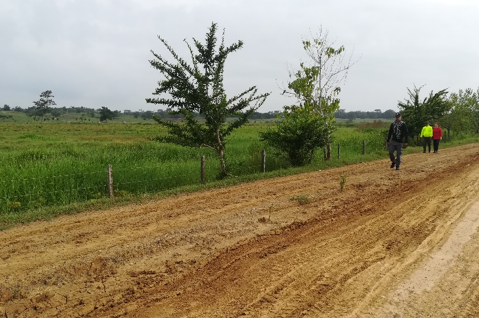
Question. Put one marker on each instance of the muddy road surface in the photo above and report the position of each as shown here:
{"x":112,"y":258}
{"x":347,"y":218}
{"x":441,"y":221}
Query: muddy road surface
{"x":390,"y":244}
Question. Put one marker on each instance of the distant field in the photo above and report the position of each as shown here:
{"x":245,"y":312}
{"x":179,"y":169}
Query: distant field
{"x":73,"y":117}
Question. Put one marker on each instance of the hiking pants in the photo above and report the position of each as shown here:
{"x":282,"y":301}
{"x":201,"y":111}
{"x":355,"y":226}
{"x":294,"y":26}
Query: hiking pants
{"x":395,"y":146}
{"x":426,"y":141}
{"x":436,"y":144}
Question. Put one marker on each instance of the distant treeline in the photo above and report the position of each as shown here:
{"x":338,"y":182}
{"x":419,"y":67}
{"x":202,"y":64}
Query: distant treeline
{"x":377,"y":114}
{"x":56,"y":112}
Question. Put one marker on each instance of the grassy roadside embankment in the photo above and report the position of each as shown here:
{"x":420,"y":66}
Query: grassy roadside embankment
{"x":49,"y":169}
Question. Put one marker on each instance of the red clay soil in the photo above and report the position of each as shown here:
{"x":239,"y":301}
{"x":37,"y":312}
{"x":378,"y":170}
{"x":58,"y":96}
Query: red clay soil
{"x":390,"y":244}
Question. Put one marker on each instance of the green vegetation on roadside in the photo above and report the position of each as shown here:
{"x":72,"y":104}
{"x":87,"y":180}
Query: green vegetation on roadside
{"x":48,"y":169}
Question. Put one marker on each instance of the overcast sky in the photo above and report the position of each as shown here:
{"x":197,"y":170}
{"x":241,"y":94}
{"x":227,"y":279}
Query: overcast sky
{"x":95,"y":53}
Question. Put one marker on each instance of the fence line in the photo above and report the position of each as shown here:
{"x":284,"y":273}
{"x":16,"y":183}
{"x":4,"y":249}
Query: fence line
{"x":76,"y":187}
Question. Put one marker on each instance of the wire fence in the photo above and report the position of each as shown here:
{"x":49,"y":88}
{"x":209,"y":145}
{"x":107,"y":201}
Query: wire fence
{"x":49,"y":189}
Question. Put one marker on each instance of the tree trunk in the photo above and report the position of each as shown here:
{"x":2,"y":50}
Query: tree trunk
{"x":221,"y":154}
{"x":327,"y":154}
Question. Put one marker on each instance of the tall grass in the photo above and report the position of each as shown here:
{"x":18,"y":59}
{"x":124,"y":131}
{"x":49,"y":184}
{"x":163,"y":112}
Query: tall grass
{"x":351,"y":140}
{"x":55,"y":164}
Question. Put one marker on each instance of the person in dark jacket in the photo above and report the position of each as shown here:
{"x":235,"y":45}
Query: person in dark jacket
{"x":396,"y":136}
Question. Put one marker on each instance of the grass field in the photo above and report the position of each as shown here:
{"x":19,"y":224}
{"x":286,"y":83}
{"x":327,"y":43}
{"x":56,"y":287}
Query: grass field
{"x":56,"y":165}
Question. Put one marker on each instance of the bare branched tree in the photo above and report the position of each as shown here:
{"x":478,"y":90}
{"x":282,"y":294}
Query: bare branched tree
{"x":329,"y":67}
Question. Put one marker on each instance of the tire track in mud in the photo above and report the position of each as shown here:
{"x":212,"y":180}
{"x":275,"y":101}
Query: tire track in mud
{"x":299,"y":279}
{"x":246,"y":250}
{"x":445,"y":282}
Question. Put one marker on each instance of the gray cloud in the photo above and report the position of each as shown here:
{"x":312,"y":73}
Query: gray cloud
{"x":95,"y":53}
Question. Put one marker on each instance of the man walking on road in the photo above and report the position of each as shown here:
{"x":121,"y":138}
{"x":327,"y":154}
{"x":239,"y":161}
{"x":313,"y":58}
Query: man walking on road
{"x":397,"y":134}
{"x":426,"y":135}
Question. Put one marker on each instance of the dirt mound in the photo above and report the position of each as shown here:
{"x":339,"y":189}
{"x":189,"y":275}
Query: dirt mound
{"x":390,"y":244}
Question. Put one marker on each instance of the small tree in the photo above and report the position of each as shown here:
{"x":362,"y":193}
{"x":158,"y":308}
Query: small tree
{"x":416,"y":112}
{"x":6,"y":107}
{"x":297,"y":134}
{"x":106,"y":114}
{"x":316,"y":88}
{"x":43,"y":105}
{"x":147,"y":115}
{"x":55,"y":112}
{"x":463,"y":116}
{"x":197,"y":89}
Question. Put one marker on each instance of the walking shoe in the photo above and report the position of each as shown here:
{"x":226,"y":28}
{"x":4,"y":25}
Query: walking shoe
{"x":397,"y":167}
{"x":393,"y":164}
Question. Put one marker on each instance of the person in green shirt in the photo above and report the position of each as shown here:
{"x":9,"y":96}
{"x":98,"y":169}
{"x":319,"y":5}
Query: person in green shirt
{"x":426,"y":135}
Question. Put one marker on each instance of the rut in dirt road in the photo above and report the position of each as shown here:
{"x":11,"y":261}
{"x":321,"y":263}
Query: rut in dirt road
{"x":251,"y":250}
{"x":325,"y":267}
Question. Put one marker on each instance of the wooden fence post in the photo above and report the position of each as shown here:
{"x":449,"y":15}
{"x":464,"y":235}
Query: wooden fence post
{"x":364,"y":147}
{"x":339,"y":150}
{"x":203,"y":174}
{"x":263,"y":160}
{"x":110,"y":182}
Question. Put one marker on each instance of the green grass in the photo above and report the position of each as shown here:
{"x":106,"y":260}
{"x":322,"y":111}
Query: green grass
{"x":54,"y":168}
{"x":54,"y":164}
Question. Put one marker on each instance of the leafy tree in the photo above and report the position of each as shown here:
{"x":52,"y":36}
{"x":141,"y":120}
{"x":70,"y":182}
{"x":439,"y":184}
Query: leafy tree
{"x":6,"y":107}
{"x":106,"y":114}
{"x":198,"y":89}
{"x":464,"y":114}
{"x":471,"y":101}
{"x":333,"y":68}
{"x":297,"y":134}
{"x":55,"y":112}
{"x":43,"y":105}
{"x":475,"y":107}
{"x":416,"y":112}
{"x":316,"y":88}
{"x":389,"y":113}
{"x":147,"y":115}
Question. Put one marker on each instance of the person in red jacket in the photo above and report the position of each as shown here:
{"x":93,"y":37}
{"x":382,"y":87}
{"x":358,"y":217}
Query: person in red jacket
{"x":436,"y":136}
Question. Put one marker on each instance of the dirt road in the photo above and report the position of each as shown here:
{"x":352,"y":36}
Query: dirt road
{"x":391,"y":244}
